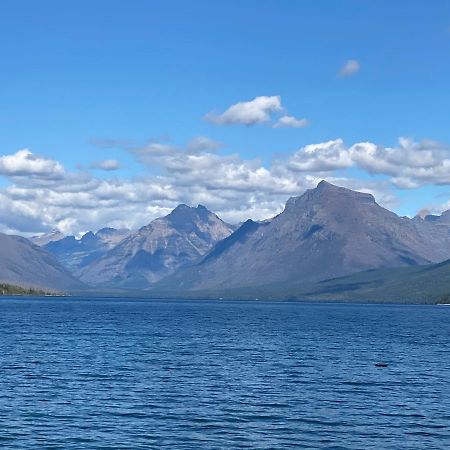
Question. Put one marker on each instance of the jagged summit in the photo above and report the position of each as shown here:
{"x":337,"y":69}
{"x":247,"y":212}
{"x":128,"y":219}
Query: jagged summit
{"x":74,"y":253}
{"x":183,"y":208}
{"x":89,"y":237}
{"x":189,"y":218}
{"x":187,"y":212}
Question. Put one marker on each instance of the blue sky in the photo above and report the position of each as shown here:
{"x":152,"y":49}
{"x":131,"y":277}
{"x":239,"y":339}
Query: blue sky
{"x":76,"y":74}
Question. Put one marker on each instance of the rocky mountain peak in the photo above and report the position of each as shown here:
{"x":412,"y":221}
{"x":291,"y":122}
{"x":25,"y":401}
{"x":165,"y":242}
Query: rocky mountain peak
{"x":88,"y":238}
{"x":328,"y":189}
{"x":159,"y":248}
{"x":184,"y":216}
{"x":328,"y":195}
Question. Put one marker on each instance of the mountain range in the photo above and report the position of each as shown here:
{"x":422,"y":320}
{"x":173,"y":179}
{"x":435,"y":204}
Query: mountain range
{"x":327,"y":233}
{"x":76,"y":253}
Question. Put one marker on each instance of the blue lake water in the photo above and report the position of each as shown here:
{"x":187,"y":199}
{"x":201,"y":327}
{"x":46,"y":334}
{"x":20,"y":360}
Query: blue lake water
{"x":132,"y":374}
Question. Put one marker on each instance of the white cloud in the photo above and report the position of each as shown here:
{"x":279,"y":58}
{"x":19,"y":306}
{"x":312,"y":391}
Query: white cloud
{"x":250,"y":112}
{"x":350,"y":67}
{"x":107,"y":164}
{"x":290,"y":121}
{"x":408,"y":165}
{"x":24,"y":164}
{"x":323,"y":157}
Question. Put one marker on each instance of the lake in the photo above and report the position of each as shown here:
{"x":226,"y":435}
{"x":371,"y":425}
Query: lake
{"x":140,"y":374}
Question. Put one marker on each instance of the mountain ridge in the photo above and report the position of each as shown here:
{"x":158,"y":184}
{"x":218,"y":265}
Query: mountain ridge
{"x":327,"y":232}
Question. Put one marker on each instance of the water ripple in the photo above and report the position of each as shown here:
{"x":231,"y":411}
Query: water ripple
{"x":121,"y":374}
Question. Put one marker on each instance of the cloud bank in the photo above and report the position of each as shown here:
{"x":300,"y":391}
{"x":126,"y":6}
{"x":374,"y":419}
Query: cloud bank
{"x":41,"y":194}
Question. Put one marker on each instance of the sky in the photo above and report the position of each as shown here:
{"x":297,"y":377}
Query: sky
{"x":114,"y":112}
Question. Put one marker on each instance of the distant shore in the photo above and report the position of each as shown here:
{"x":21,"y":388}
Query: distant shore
{"x":7,"y":289}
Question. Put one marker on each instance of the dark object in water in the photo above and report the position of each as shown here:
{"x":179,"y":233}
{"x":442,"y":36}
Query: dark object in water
{"x":381,"y":364}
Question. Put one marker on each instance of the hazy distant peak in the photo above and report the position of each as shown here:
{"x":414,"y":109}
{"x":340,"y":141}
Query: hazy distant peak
{"x":43,"y":239}
{"x":107,"y":231}
{"x":445,"y":216}
{"x":426,"y":216}
{"x":89,"y":237}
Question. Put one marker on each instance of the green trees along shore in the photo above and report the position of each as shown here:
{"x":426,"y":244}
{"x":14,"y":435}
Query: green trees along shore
{"x":10,"y":289}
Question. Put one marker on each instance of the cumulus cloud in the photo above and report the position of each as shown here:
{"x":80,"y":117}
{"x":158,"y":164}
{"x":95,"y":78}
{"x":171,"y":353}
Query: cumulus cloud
{"x":351,"y":67}
{"x":211,"y":171}
{"x":107,"y":165}
{"x":290,"y":122}
{"x":408,"y":165}
{"x":24,"y":164}
{"x":247,"y":113}
{"x":262,"y":109}
{"x":323,"y":157}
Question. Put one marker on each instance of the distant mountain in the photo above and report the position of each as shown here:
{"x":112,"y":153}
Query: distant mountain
{"x":327,"y":232}
{"x":110,"y":237}
{"x":44,"y":239}
{"x":76,"y":253}
{"x":158,"y":249}
{"x":443,"y":219}
{"x":28,"y":265}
